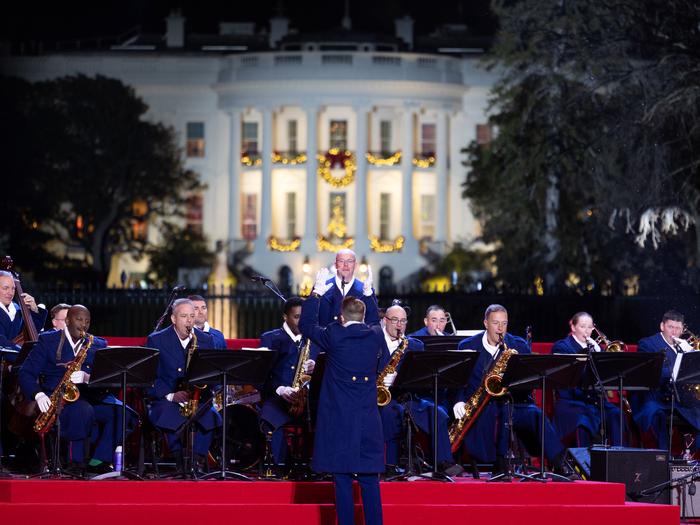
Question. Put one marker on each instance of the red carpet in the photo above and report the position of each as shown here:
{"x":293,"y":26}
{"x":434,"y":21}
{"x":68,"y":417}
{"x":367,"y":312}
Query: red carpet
{"x":261,"y":502}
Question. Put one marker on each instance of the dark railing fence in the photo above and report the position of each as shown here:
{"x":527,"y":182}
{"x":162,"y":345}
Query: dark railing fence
{"x":248,"y":313}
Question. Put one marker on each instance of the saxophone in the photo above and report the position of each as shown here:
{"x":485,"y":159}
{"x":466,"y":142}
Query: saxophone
{"x":301,"y":378}
{"x":383,"y":393}
{"x":65,"y":391}
{"x":491,"y":387}
{"x":190,"y":407}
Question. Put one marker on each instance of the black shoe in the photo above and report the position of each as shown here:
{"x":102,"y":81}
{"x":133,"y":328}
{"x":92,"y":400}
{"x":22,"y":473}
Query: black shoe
{"x":450,"y":469}
{"x":499,"y":467}
{"x":102,"y":468}
{"x":393,"y":470}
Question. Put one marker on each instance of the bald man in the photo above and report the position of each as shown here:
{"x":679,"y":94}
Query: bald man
{"x":95,"y":417}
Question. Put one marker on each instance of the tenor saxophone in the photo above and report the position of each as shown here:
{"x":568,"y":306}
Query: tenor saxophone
{"x":190,"y":406}
{"x":383,"y":393}
{"x":490,"y":387}
{"x":65,"y":392}
{"x":301,"y":378}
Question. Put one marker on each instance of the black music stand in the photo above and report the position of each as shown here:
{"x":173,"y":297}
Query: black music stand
{"x":5,"y":354}
{"x":117,"y":367}
{"x":439,"y":342}
{"x":239,"y":367}
{"x":449,"y":369}
{"x":528,"y":371}
{"x":624,"y":370}
{"x":688,"y":373}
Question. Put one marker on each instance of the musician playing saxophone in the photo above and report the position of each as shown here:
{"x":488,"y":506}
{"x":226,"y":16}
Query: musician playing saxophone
{"x":43,"y":370}
{"x":479,"y":441}
{"x":278,"y":392}
{"x":418,"y":404}
{"x":176,"y":344}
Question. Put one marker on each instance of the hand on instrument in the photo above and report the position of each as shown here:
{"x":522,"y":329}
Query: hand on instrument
{"x":389,"y":379}
{"x":79,"y":377}
{"x":459,"y":409}
{"x":320,"y":286}
{"x":309,"y":365}
{"x":368,"y":284}
{"x":43,"y":402}
{"x":30,"y":302}
{"x":180,"y":397}
{"x":287,"y":393}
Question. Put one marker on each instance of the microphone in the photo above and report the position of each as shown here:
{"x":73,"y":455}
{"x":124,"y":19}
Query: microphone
{"x":259,"y":278}
{"x":179,"y":288}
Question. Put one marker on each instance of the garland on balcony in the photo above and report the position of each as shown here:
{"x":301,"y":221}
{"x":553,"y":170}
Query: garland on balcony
{"x":386,"y":247}
{"x":424,"y":161}
{"x":336,"y":158}
{"x":248,"y":159}
{"x":325,"y":245}
{"x":392,"y":160}
{"x":279,"y":246}
{"x":282,"y":158}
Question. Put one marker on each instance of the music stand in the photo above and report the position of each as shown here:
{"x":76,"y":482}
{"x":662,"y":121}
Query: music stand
{"x":5,"y":354}
{"x":528,"y":371}
{"x":439,"y":342}
{"x":241,"y":367}
{"x":625,"y":370}
{"x":688,"y":373}
{"x":115,"y":367}
{"x":450,"y":369}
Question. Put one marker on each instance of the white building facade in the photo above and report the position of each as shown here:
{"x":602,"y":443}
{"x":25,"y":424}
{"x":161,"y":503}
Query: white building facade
{"x":309,"y":150}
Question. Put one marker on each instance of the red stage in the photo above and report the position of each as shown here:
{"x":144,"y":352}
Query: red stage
{"x":261,"y":502}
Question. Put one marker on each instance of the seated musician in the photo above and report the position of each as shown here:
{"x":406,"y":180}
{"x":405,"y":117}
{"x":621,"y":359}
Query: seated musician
{"x":278,"y":393}
{"x":94,"y":416}
{"x":420,"y":409}
{"x":652,"y":409}
{"x":201,"y":314}
{"x":435,"y":321}
{"x":58,"y":314}
{"x":177,"y":343}
{"x":479,"y":441}
{"x":577,"y":411}
{"x":11,"y":322}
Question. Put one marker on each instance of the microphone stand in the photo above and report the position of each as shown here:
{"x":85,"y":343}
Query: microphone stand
{"x":267,"y":283}
{"x":171,"y":300}
{"x":674,"y":397}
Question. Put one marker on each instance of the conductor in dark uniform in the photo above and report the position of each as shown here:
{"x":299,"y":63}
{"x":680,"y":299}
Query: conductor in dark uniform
{"x":176,"y":345}
{"x":349,"y":436}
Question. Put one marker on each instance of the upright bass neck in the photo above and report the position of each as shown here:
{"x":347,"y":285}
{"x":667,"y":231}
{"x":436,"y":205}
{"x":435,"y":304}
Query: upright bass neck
{"x":29,"y":332}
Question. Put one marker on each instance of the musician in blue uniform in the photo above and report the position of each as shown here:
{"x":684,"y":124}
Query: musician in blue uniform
{"x":419,"y":407}
{"x":577,"y":411}
{"x":177,"y":343}
{"x":492,"y":421}
{"x":435,"y":321}
{"x":651,"y":409}
{"x":94,"y":414}
{"x":344,"y":285}
{"x":348,"y":426}
{"x":277,"y":391}
{"x":201,"y":321}
{"x":11,"y":321}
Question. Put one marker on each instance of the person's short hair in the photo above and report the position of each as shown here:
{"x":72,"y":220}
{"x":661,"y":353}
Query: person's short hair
{"x":5,"y":273}
{"x":352,"y":309}
{"x":196,"y":298}
{"x":291,"y":303}
{"x":58,"y":308}
{"x":433,"y":308}
{"x":673,"y":315}
{"x":574,"y":318}
{"x":494,"y":308}
{"x":181,"y":301}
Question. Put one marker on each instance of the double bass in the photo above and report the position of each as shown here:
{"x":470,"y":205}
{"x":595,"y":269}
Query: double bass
{"x":29,"y":333}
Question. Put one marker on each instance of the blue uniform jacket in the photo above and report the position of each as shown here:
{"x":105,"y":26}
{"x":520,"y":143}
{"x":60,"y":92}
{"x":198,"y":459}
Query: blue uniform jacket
{"x":349,"y":435}
{"x":284,"y":367}
{"x":420,"y":333}
{"x":218,"y":338}
{"x":11,"y":329}
{"x":332,"y":300}
{"x":569,"y":345}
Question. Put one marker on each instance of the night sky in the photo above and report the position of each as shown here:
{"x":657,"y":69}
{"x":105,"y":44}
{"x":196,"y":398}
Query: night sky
{"x":59,"y":21}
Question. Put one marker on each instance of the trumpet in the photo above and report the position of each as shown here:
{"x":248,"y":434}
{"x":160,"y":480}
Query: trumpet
{"x":610,"y":346}
{"x":692,"y":339}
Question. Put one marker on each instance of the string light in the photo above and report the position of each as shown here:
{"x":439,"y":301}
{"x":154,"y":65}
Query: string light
{"x":386,"y":247}
{"x":279,"y":246}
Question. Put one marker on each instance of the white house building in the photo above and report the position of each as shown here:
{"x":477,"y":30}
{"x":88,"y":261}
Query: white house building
{"x":307,"y":143}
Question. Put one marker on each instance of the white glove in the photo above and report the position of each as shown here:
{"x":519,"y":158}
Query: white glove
{"x":368,"y":284}
{"x":43,"y":402}
{"x":596,"y":346}
{"x":320,"y":286}
{"x":287,"y":393}
{"x":459,"y":409}
{"x":309,"y":365}
{"x":684,"y":344}
{"x":389,"y":379}
{"x":78,"y":377}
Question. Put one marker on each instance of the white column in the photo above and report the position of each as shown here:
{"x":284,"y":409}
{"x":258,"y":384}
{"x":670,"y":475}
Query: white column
{"x":407,"y":125}
{"x":361,"y":233}
{"x":234,"y":196}
{"x":266,"y":191}
{"x":311,"y":226}
{"x":441,"y":165}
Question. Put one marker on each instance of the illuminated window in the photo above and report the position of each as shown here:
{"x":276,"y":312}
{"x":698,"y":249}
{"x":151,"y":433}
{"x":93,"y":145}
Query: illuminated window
{"x":385,"y":137}
{"x":483,"y":134}
{"x":194,"y":214}
{"x":249,"y":216}
{"x":291,"y":215}
{"x":249,"y":138}
{"x":427,"y":139}
{"x":339,"y":134}
{"x":384,"y":216}
{"x":292,"y":136}
{"x":195,"y":139}
{"x":139,"y":226}
{"x":427,"y":216}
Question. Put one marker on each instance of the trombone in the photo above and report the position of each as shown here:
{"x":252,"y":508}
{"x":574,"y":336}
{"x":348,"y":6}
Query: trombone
{"x":610,"y":346}
{"x":692,"y":339}
{"x":451,"y":322}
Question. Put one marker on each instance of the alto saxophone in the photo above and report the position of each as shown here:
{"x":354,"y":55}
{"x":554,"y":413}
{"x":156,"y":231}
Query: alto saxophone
{"x":65,"y":391}
{"x":301,"y":378}
{"x":383,"y":393}
{"x":190,"y":406}
{"x":491,"y":387}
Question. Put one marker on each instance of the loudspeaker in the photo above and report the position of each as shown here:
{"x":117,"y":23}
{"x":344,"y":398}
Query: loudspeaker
{"x":580,"y":459}
{"x":685,"y":493}
{"x":639,"y":469}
